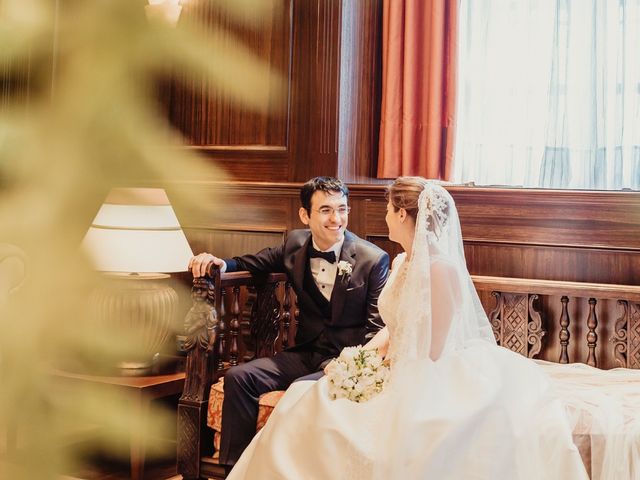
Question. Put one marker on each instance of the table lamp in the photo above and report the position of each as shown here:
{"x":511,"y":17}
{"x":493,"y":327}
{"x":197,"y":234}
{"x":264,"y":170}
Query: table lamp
{"x":136,"y":240}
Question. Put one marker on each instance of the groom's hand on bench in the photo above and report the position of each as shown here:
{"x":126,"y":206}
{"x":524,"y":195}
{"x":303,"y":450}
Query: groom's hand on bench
{"x":199,"y":264}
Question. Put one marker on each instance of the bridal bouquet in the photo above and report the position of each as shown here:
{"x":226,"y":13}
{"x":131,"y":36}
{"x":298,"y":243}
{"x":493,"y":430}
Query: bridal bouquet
{"x":357,"y":374}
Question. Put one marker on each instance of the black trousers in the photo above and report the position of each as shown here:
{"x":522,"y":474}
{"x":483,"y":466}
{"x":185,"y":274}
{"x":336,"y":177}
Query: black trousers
{"x":243,"y":385}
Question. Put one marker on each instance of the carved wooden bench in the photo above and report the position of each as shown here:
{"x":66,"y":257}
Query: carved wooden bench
{"x":237,"y":317}
{"x":520,"y":322}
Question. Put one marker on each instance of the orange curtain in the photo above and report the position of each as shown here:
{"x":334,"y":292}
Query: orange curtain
{"x":418,"y":88}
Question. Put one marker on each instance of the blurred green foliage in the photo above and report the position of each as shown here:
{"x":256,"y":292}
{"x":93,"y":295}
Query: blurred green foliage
{"x":79,"y":114}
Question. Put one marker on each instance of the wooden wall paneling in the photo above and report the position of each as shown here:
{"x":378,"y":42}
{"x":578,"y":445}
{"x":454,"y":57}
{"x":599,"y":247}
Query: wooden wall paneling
{"x":294,"y":217}
{"x":553,"y":262}
{"x":257,"y":166}
{"x":250,"y":142}
{"x":357,"y":216}
{"x":230,"y":243}
{"x":375,"y":213}
{"x":327,"y":123}
{"x":537,"y":250}
{"x":215,"y":118}
{"x":256,"y":212}
{"x":550,"y":217}
{"x":375,"y":227}
{"x":382,"y":241}
{"x":315,"y":88}
{"x":336,"y":86}
{"x":360,"y":89}
{"x":235,"y":206}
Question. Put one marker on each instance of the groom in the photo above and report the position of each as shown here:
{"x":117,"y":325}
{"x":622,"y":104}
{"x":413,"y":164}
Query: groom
{"x":337,"y":278}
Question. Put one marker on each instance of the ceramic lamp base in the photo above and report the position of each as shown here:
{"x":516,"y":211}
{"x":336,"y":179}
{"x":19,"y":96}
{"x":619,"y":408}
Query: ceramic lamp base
{"x":139,"y":309}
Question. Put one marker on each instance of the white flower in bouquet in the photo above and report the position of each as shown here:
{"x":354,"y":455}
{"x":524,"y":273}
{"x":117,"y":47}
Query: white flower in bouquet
{"x":357,"y":374}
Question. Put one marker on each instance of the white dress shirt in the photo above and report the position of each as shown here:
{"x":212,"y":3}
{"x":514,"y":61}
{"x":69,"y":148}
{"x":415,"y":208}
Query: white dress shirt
{"x":324,"y":272}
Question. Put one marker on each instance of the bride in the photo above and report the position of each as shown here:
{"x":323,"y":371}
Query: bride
{"x":456,"y":406}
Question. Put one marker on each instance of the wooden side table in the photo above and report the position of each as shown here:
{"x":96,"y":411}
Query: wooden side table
{"x":141,"y":390}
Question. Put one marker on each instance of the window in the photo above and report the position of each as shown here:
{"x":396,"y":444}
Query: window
{"x":549,"y":93}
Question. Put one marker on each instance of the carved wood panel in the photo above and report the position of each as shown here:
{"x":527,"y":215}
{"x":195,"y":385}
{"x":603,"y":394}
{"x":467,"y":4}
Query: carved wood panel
{"x":633,"y":359}
{"x":626,"y":339}
{"x":189,"y":441}
{"x":516,"y":323}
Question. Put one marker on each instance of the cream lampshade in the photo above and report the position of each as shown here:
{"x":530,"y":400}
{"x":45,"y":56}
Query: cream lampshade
{"x":135,"y":239}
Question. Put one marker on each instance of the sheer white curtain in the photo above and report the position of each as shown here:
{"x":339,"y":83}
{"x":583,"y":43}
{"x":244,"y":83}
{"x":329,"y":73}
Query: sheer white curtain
{"x":549,"y":93}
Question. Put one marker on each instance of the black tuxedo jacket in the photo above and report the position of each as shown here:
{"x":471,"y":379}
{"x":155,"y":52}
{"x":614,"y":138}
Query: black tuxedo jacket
{"x":354,"y":301}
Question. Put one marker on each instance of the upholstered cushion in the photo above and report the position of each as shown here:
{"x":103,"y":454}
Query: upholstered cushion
{"x":214,"y":410}
{"x":266,"y":404}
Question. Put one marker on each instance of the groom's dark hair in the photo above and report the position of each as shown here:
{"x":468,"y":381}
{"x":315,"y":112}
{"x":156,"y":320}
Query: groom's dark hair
{"x":324,"y":184}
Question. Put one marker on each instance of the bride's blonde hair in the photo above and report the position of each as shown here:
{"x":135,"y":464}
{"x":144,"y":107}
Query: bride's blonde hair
{"x":405,"y":192}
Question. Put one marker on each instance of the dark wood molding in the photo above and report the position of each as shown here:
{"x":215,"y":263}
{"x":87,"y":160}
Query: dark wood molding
{"x":258,"y":150}
{"x":553,"y":262}
{"x":280,"y":188}
{"x":580,"y":218}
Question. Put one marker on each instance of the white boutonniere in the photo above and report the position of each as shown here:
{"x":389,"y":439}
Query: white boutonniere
{"x":344,"y":270}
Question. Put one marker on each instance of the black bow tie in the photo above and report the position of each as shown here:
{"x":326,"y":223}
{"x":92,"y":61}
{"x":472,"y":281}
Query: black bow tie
{"x":328,"y":256}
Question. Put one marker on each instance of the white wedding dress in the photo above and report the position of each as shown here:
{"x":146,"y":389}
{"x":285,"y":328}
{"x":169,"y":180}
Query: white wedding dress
{"x":478,"y":411}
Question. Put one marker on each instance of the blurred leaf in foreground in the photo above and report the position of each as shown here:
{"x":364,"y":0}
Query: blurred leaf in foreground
{"x":79,"y":114}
